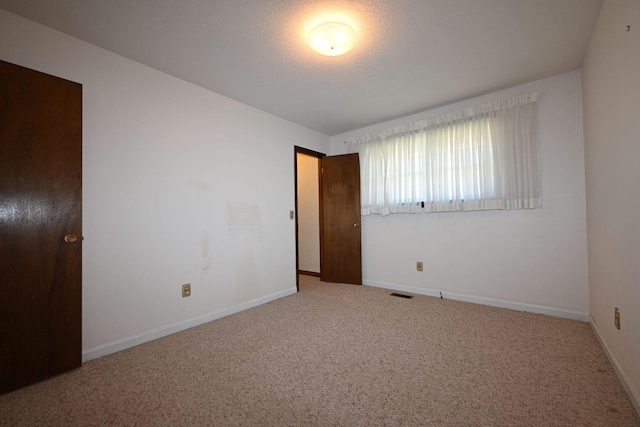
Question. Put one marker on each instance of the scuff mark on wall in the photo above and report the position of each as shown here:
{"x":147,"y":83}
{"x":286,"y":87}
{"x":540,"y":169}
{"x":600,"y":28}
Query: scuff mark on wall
{"x":247,"y":286}
{"x":199,"y":186}
{"x":205,"y":247}
{"x":244,"y":218}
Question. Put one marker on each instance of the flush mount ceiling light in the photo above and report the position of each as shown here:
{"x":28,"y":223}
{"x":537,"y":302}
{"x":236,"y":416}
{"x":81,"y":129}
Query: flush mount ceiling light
{"x":332,"y":38}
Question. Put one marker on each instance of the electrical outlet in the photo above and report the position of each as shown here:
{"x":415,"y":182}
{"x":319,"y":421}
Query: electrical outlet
{"x":291,"y":215}
{"x":186,"y":290}
{"x":616,"y":318}
{"x":419,"y":266}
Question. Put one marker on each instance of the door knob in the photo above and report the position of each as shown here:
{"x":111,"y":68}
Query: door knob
{"x":70,"y":238}
{"x":355,"y":224}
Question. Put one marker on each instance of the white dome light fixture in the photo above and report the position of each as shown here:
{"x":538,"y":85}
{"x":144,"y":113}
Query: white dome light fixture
{"x":332,"y":38}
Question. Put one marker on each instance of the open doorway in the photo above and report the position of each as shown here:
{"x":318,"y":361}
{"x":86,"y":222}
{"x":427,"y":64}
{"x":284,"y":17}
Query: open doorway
{"x":308,"y":212}
{"x":337,"y":216}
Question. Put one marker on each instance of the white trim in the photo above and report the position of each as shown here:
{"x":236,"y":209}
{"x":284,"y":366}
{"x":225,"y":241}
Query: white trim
{"x":566,"y":314}
{"x":634,"y":395}
{"x":163,"y":331}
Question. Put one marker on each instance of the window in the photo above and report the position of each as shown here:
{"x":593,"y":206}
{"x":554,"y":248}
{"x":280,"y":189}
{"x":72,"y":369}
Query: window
{"x":480,"y":158}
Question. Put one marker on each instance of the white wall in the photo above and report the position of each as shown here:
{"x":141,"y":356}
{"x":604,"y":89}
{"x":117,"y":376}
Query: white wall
{"x":612,"y":146}
{"x":181,"y":185}
{"x":534,"y":260}
{"x":308,"y":214}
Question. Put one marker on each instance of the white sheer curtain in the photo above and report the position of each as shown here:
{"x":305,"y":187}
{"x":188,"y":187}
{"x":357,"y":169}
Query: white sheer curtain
{"x":480,"y":158}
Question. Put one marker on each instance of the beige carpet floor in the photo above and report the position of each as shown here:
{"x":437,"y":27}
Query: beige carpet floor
{"x":344,"y":355}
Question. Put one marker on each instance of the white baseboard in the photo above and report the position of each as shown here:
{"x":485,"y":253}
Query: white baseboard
{"x":119,"y":345}
{"x":584,"y":317}
{"x":634,"y":395}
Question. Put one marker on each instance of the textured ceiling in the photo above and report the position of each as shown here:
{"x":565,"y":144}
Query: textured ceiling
{"x":412,"y":55}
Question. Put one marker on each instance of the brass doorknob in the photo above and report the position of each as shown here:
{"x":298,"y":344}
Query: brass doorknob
{"x":355,"y":224}
{"x":70,"y":238}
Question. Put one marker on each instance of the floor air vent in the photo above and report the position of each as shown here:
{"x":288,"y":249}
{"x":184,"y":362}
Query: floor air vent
{"x":401,"y":295}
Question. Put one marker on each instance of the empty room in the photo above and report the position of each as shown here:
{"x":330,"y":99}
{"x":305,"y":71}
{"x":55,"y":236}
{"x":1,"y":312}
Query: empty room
{"x":309,"y":212}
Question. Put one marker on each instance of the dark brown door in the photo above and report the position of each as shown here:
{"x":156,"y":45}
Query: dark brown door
{"x":40,"y":226}
{"x":340,"y":248}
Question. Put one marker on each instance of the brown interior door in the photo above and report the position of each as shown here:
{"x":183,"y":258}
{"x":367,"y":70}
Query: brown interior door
{"x":341,"y":252}
{"x":40,"y":226}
